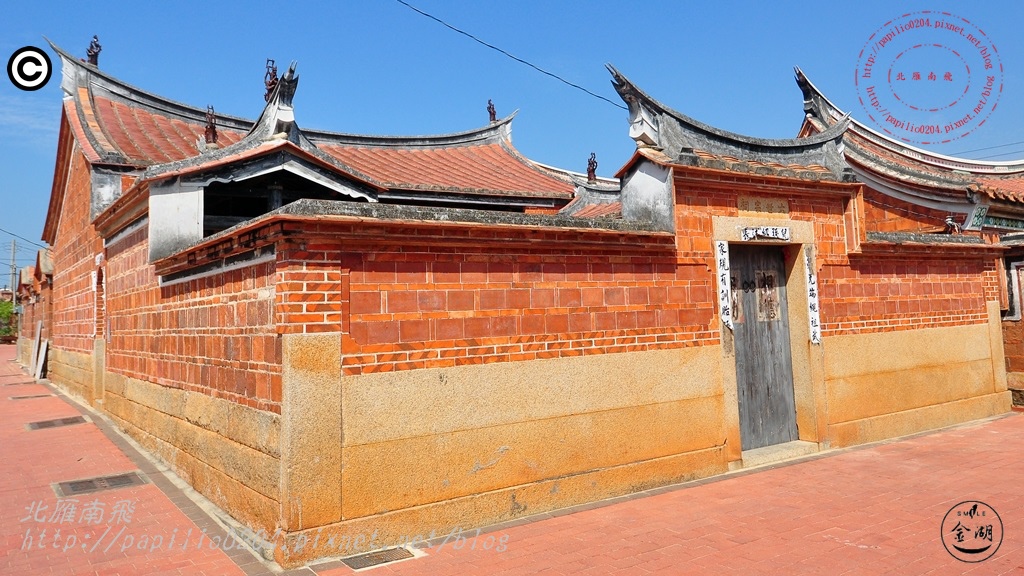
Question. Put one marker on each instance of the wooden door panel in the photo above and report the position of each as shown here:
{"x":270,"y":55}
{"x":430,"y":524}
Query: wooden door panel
{"x":764,"y":363}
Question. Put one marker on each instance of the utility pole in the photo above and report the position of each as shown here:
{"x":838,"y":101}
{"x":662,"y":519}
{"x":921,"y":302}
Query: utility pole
{"x":14,"y":269}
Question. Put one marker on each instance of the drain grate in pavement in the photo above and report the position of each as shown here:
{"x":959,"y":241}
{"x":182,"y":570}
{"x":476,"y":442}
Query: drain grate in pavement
{"x":55,"y":423}
{"x":376,"y":558}
{"x":30,"y":396}
{"x":89,"y":485}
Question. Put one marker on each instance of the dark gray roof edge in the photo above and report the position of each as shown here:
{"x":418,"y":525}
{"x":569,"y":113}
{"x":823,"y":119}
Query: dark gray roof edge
{"x":137,"y":95}
{"x":491,"y":132}
{"x":625,"y":87}
{"x":903,"y":237}
{"x":406,"y":214}
{"x":819,"y":106}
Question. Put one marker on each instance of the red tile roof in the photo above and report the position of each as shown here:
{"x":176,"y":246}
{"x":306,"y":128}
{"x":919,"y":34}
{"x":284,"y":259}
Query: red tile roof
{"x":488,"y":168}
{"x":1010,"y":189}
{"x":145,"y":137}
{"x":119,"y":124}
{"x":610,"y":210}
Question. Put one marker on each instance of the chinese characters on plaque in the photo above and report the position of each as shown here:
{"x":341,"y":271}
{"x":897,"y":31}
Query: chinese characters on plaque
{"x":724,"y":291}
{"x":813,"y":314}
{"x":769,"y":232}
{"x":762,"y":205}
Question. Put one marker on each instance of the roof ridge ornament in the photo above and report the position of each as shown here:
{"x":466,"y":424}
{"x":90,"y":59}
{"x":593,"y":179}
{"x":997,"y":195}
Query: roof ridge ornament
{"x":93,"y":51}
{"x":211,"y":129}
{"x":492,"y":111}
{"x":592,"y":168}
{"x":286,"y":86}
{"x":270,"y":79}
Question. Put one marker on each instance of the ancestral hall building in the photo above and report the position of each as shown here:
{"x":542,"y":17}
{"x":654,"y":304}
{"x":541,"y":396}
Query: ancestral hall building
{"x":342,"y":335}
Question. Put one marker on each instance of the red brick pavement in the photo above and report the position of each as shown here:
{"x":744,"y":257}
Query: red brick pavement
{"x":870,"y":510}
{"x":122,"y":531}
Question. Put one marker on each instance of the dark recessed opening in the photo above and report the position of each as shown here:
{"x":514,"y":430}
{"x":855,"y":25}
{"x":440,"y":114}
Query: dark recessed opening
{"x":55,"y":423}
{"x":89,"y":485}
{"x":376,"y":558}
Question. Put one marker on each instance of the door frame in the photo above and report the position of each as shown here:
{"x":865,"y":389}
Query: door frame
{"x":808,"y":358}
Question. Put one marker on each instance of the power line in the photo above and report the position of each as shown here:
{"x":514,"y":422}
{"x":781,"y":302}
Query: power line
{"x":516,"y":58}
{"x":22,"y":238}
{"x":998,"y":155}
{"x":988,"y":148}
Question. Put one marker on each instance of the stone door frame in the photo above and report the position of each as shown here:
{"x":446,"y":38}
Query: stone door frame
{"x":808,"y":358}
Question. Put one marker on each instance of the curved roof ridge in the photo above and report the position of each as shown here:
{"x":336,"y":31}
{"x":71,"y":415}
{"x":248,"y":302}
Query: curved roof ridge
{"x":136,"y":95}
{"x":628,"y":89}
{"x":814,"y":100}
{"x":499,"y":130}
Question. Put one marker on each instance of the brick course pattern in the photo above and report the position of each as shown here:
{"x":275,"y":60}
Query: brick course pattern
{"x":885,"y":214}
{"x":467,"y":299}
{"x":214,"y":335}
{"x":74,"y":262}
{"x":858,"y":293}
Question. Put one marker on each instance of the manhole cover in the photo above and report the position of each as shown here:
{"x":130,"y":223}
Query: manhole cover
{"x":377,"y":558}
{"x":88,"y":485}
{"x":55,"y":423}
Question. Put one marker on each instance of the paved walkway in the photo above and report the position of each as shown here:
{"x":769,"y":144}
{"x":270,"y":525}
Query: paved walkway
{"x":872,"y":510}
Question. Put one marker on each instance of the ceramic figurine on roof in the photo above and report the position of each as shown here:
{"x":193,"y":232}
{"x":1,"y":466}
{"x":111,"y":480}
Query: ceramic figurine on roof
{"x":270,"y":79}
{"x":210,"y":134}
{"x":93,"y":52}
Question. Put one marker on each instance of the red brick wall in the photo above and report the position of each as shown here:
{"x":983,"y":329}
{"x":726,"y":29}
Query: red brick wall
{"x":886,"y":214}
{"x":404,"y":300}
{"x":74,"y":252}
{"x":213,"y":335}
{"x":883,"y":293}
{"x":30,"y":314}
{"x":858,"y":293}
{"x":1013,"y":343}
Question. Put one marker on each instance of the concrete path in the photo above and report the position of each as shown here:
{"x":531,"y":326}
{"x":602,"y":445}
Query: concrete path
{"x":878,"y":509}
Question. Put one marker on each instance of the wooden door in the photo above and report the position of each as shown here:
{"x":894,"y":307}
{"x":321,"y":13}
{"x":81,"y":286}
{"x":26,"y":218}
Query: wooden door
{"x":764,"y":364}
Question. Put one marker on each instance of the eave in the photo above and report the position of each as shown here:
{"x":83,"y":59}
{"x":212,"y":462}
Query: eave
{"x":131,"y":206}
{"x":61,"y":171}
{"x":820,"y":107}
{"x":686,"y":140}
{"x":506,"y":228}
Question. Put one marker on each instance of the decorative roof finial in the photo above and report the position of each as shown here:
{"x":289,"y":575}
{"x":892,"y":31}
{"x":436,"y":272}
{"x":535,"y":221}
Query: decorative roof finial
{"x":592,"y":168}
{"x":493,"y":113}
{"x":952,"y":227}
{"x":93,"y":52}
{"x":211,"y":128}
{"x":270,"y":79}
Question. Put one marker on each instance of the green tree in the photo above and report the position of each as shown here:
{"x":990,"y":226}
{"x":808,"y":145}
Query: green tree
{"x":6,"y":315}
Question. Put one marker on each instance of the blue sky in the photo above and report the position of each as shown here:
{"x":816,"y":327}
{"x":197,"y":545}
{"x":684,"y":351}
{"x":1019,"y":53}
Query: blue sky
{"x":376,"y":67}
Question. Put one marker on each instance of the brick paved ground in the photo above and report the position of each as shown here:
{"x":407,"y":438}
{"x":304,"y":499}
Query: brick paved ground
{"x":871,"y":510}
